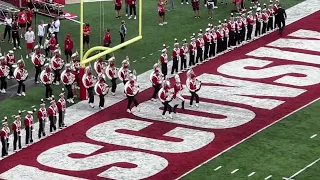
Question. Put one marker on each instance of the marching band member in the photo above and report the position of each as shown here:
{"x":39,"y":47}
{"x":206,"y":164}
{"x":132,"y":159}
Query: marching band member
{"x":192,"y":84}
{"x":244,"y":27}
{"x":258,"y":18}
{"x":156,"y":80}
{"x":183,"y":55}
{"x":213,"y":42}
{"x":21,"y":75}
{"x":207,"y":41}
{"x":38,"y":62}
{"x":164,"y":62}
{"x":52,"y":113}
{"x":100,"y":66}
{"x":192,"y":50}
{"x":124,"y":71}
{"x":131,"y":90}
{"x":4,"y":71}
{"x":275,"y":9}
{"x":240,"y":28}
{"x":251,"y":22}
{"x":265,"y":19}
{"x":199,"y":45}
{"x":61,"y":105}
{"x":220,"y":39}
{"x":178,"y":90}
{"x":165,"y":96}
{"x":232,"y":31}
{"x":88,"y":82}
{"x":42,"y":117}
{"x":16,"y":128}
{"x":271,"y":16}
{"x":4,"y":134}
{"x":11,"y":60}
{"x":226,"y":35}
{"x":75,"y":64}
{"x":175,"y":56}
{"x":101,"y":89}
{"x":52,"y":45}
{"x":57,"y":65}
{"x":28,"y":124}
{"x":68,"y":79}
{"x":47,"y":79}
{"x":112,"y":74}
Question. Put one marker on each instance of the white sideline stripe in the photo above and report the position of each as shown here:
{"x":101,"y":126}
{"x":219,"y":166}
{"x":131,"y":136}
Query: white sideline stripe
{"x":216,"y":169}
{"x":313,"y":136}
{"x":294,"y":14}
{"x":143,"y":57}
{"x":251,"y":174}
{"x":268,"y":177}
{"x":309,"y":165}
{"x":234,"y":171}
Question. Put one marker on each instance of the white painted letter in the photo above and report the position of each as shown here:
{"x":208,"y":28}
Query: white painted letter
{"x":230,"y":116}
{"x":191,"y":139}
{"x":245,"y":92}
{"x":58,"y":157}
{"x":302,"y":33}
{"x":303,"y":44}
{"x":240,"y":68}
{"x":22,"y":172}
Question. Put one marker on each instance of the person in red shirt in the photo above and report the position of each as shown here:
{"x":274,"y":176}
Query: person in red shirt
{"x":52,"y":44}
{"x":132,"y":4}
{"x":107,"y":40}
{"x":29,"y":15}
{"x":161,"y":12}
{"x":195,"y":7}
{"x":68,"y":47}
{"x":86,"y":36}
{"x":22,"y":21}
{"x":117,"y":7}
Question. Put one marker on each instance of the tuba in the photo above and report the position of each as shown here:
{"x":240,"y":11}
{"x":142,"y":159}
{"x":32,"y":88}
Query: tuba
{"x":6,"y":70}
{"x":189,"y":80}
{"x":136,"y":87}
{"x":84,"y":77}
{"x":104,"y":88}
{"x":115,"y":71}
{"x":122,"y":69}
{"x":71,"y":76}
{"x":51,"y":76}
{"x":42,"y":58}
{"x":24,"y":73}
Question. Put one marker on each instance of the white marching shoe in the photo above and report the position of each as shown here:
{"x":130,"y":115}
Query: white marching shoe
{"x":71,"y":101}
{"x":164,"y":117}
{"x":18,"y":94}
{"x":170,"y":115}
{"x":23,"y":94}
{"x":153,"y":99}
{"x":91,"y":105}
{"x":113,"y":94}
{"x":138,"y":109}
{"x":197,"y":105}
{"x":190,"y":105}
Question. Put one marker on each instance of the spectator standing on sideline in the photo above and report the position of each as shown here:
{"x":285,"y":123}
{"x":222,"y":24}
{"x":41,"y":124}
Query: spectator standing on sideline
{"x":123,"y":31}
{"x":29,"y":15}
{"x":15,"y":35}
{"x":56,"y":27}
{"x":30,"y":39}
{"x":182,"y":1}
{"x":195,"y":7}
{"x":41,"y":32}
{"x":171,"y":2}
{"x":281,"y":17}
{"x":22,"y":20}
{"x":68,"y":47}
{"x":161,"y":12}
{"x":107,"y":41}
{"x":133,"y":8}
{"x":86,"y":36}
{"x":210,"y":5}
{"x":7,"y":30}
{"x":117,"y":7}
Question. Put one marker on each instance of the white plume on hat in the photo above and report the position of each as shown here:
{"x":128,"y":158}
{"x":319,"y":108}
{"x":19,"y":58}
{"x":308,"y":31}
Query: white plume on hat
{"x":163,"y":50}
{"x":11,"y":52}
{"x":259,"y":9}
{"x":208,"y":29}
{"x":177,"y":78}
{"x":29,"y":112}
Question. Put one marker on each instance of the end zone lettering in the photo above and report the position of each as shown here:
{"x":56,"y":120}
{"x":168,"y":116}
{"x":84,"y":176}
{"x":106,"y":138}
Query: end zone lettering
{"x":240,"y":95}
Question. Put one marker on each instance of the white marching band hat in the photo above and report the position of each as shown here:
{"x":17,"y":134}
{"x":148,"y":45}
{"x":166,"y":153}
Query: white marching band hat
{"x":111,"y":59}
{"x":156,"y":65}
{"x":10,"y":52}
{"x":36,"y":47}
{"x":29,"y":112}
{"x":74,"y":54}
{"x":163,"y":50}
{"x":208,"y":29}
{"x":56,"y":51}
{"x":177,"y":78}
{"x":259,"y":9}
{"x":17,"y":116}
{"x":52,"y":101}
{"x":2,"y":57}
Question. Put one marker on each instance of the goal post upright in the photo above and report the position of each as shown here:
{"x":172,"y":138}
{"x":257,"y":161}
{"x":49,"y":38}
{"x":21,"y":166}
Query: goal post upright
{"x":84,"y":58}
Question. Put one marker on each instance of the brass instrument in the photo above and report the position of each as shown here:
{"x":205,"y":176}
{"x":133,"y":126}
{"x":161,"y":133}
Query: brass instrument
{"x":71,"y":77}
{"x":51,"y":76}
{"x":5,"y":70}
{"x":24,"y":73}
{"x":104,"y":88}
{"x":42,"y":58}
{"x":114,"y":71}
{"x":94,"y":79}
{"x":61,"y":63}
{"x":104,"y":67}
{"x":135,"y":88}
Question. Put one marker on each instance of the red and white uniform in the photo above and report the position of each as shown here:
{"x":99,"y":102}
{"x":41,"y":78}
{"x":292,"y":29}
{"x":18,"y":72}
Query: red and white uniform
{"x":52,"y":44}
{"x":52,"y":110}
{"x":161,"y":7}
{"x":68,"y":78}
{"x":270,"y":12}
{"x":28,"y":121}
{"x":193,"y":85}
{"x":207,"y":37}
{"x":16,"y":126}
{"x":183,"y":51}
{"x":29,"y":15}
{"x":124,"y":74}
{"x":57,"y":62}
{"x":22,"y":18}
{"x":156,"y":79}
{"x":100,"y":67}
{"x":37,"y":60}
{"x":213,"y":37}
{"x":178,"y":90}
{"x":232,"y":26}
{"x":226,"y":32}
{"x":275,"y":8}
{"x":129,"y":89}
{"x":112,"y":72}
{"x":192,"y":47}
{"x":240,"y":25}
{"x":195,"y":4}
{"x":61,"y":104}
{"x":175,"y":52}
{"x":30,"y":39}
{"x":89,"y":81}
{"x":265,"y":17}
{"x":244,"y":21}
{"x":258,"y":17}
{"x":200,"y":43}
{"x":5,"y":132}
{"x":42,"y":113}
{"x":46,"y":76}
{"x":250,"y":20}
{"x":164,"y":58}
{"x":19,"y":74}
{"x":164,"y":95}
{"x":10,"y":59}
{"x":220,"y":34}
{"x":3,"y":68}
{"x":101,"y":87}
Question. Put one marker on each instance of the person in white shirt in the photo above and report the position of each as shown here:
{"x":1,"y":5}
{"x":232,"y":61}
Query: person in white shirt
{"x":30,"y":39}
{"x":56,"y":27}
{"x":41,"y":32}
{"x":7,"y":30}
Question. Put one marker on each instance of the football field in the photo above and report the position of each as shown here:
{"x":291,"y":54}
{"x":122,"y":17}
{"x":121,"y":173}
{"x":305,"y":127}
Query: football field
{"x":258,"y":119}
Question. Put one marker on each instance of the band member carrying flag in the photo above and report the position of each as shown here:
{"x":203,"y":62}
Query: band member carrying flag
{"x":16,"y":128}
{"x":4,"y":135}
{"x":42,"y":117}
{"x":132,"y":89}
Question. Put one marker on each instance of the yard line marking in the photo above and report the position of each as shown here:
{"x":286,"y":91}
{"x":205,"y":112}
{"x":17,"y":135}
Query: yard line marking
{"x":268,"y":177}
{"x":303,"y":169}
{"x":287,"y":178}
{"x":313,"y":136}
{"x":251,"y":174}
{"x":234,"y":171}
{"x":134,"y":61}
{"x":216,"y":169}
{"x":151,"y":54}
{"x":143,"y":57}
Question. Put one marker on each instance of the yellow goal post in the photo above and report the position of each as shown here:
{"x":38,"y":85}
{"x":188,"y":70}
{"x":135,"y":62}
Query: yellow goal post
{"x":105,"y":50}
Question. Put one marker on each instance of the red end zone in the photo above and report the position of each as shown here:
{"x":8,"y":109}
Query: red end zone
{"x":177,"y":163}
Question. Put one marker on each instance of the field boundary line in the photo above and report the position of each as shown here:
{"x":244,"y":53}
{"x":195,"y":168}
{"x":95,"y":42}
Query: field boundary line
{"x":303,"y":169}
